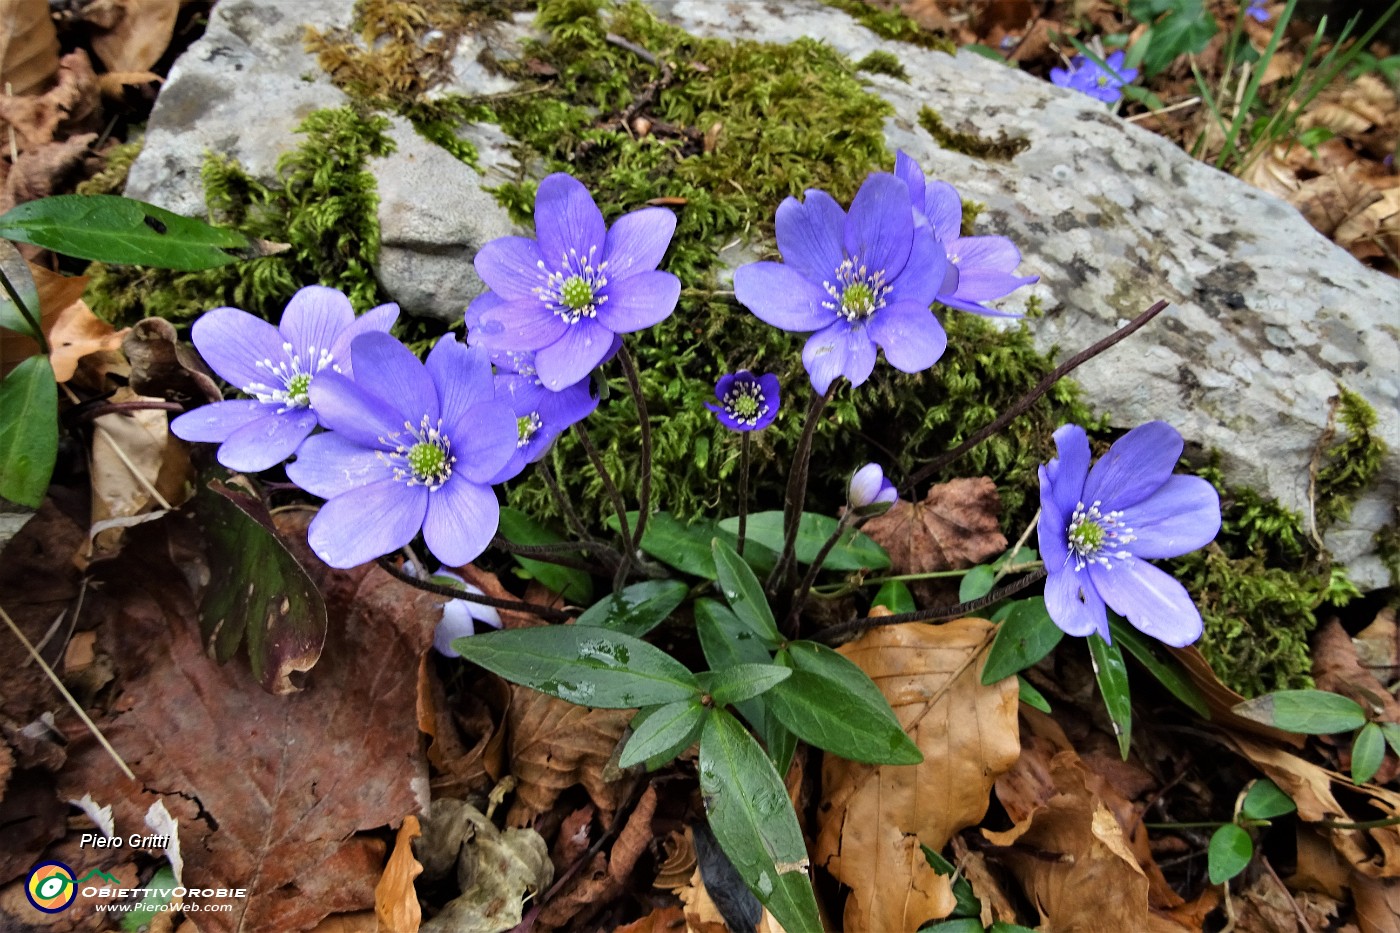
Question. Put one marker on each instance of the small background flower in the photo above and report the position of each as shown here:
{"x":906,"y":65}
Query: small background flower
{"x":1089,"y":77}
{"x":859,"y":280}
{"x":411,"y":446}
{"x":1258,"y":11}
{"x":870,"y":487}
{"x":567,"y":294}
{"x":541,"y":415}
{"x":276,"y":366}
{"x":460,"y":616}
{"x":746,"y":402}
{"x":1099,"y":526}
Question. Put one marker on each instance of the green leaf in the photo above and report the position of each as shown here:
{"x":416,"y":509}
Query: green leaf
{"x":1308,"y":712}
{"x":754,"y":824}
{"x":895,"y":597}
{"x":1367,"y":753}
{"x":1112,"y":675}
{"x":111,"y":229}
{"x":660,"y":733}
{"x":1168,"y":673}
{"x":967,"y":903}
{"x":976,"y":583}
{"x":160,"y":890}
{"x":743,"y":682}
{"x":854,"y":551}
{"x":744,"y":593}
{"x":1184,"y":31}
{"x":728,"y":643}
{"x":959,"y":925}
{"x":1392,"y":736}
{"x":1031,"y":696}
{"x":1229,"y":852}
{"x":585,"y":665}
{"x":28,"y":431}
{"x":688,"y":547}
{"x":14,"y":267}
{"x":1026,"y":635}
{"x":1265,"y":801}
{"x":574,"y":586}
{"x":260,"y":593}
{"x":829,"y":702}
{"x":638,"y":609}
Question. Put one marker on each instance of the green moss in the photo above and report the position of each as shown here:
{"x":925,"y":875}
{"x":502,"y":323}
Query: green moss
{"x":881,"y":62}
{"x":892,"y":24}
{"x":323,"y":205}
{"x":1349,"y":466}
{"x":1003,"y":148}
{"x":112,"y":178}
{"x":1388,"y":547}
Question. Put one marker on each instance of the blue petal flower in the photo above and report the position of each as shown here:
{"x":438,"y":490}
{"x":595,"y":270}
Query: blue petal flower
{"x":541,"y":414}
{"x":1089,"y":77}
{"x":460,"y":617}
{"x":869,"y":487}
{"x":1099,"y":524}
{"x":746,"y":402}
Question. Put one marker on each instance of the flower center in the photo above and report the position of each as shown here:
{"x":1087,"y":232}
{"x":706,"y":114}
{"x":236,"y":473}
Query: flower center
{"x":420,"y":456}
{"x":1095,"y":537}
{"x":573,"y":289}
{"x":857,"y":293}
{"x":289,"y":380}
{"x":527,"y":427}
{"x":744,"y":402}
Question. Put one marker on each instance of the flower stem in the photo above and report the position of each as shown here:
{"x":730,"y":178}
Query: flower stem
{"x":565,"y":506}
{"x":745,"y":458}
{"x":797,"y":489}
{"x":452,"y":592}
{"x":804,"y":588}
{"x":1031,"y":397}
{"x":24,"y":310}
{"x":836,"y":634}
{"x":623,"y":525}
{"x":550,"y":553}
{"x":634,"y":383}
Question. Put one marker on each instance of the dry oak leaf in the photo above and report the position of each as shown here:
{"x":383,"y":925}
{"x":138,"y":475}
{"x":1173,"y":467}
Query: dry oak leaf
{"x":395,"y":900}
{"x":52,"y":168}
{"x":554,"y":745}
{"x":1377,"y":904}
{"x":954,"y":527}
{"x":1337,"y":669}
{"x":873,"y":818}
{"x":28,"y":46}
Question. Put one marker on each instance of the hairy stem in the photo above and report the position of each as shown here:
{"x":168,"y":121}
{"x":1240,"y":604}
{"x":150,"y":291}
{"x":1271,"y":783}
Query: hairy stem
{"x":836,"y":634}
{"x":804,"y":589}
{"x":452,"y":592}
{"x":797,"y":489}
{"x":623,"y":525}
{"x":745,"y":457}
{"x":634,"y":383}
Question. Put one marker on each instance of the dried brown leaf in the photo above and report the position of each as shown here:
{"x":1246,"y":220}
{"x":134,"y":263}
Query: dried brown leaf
{"x":467,"y":747}
{"x":28,"y":46}
{"x":135,"y":33}
{"x":76,"y":333}
{"x":1329,"y":200}
{"x":873,"y":818}
{"x":669,"y":919}
{"x":395,"y":900}
{"x":954,"y":527}
{"x":162,"y":367}
{"x":1222,"y":700}
{"x":702,"y":916}
{"x":605,"y":877}
{"x":363,"y":921}
{"x":50,"y":168}
{"x":1378,"y":646}
{"x":1374,"y":231}
{"x":72,"y":106}
{"x":1377,"y":904}
{"x":554,"y":745}
{"x":1336,"y":668}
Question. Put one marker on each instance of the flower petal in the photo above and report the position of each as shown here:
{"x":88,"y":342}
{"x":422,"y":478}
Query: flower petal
{"x":880,"y":226}
{"x":212,"y":424}
{"x":1074,"y":605}
{"x":809,"y":234}
{"x":329,"y":464}
{"x":908,"y":171}
{"x":517,"y":325}
{"x":463,"y":379}
{"x":484,"y":440}
{"x":638,"y":302}
{"x":1069,"y":469}
{"x":1179,"y":517}
{"x":910,"y":335}
{"x":637,"y":241}
{"x":985,"y":268}
{"x":233,"y":342}
{"x":566,"y":220}
{"x":375,"y":320}
{"x":1135,"y":466}
{"x":1052,"y":529}
{"x":510,"y":267}
{"x":313,"y":320}
{"x":478,"y":306}
{"x":923,"y":275}
{"x":348,"y":408}
{"x":944,"y":208}
{"x":839,"y":350}
{"x":768,"y":384}
{"x":462,"y":518}
{"x":264,"y":443}
{"x":389,"y":370}
{"x":1152,"y":600}
{"x":367,"y":522}
{"x":570,"y":359}
{"x":778,"y":294}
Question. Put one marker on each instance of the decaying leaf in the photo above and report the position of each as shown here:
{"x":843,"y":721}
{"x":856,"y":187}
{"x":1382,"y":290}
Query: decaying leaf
{"x":1377,"y":904}
{"x":1337,"y":669}
{"x":28,"y":46}
{"x":669,"y":919}
{"x":1378,"y":646}
{"x":72,"y":106}
{"x":702,"y":916}
{"x":873,"y":819}
{"x":466,"y":747}
{"x":50,"y":168}
{"x":163,"y":367}
{"x":495,"y":869}
{"x":555,"y":745}
{"x":604,"y":878}
{"x":395,"y":899}
{"x":133,"y":33}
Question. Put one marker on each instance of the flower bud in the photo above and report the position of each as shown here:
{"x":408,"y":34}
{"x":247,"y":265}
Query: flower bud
{"x":459,"y":617}
{"x":870,"y":488}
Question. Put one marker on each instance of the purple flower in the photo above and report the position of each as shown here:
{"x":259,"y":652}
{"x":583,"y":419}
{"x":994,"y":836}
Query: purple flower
{"x":460,"y":616}
{"x":1257,"y":12}
{"x":567,"y":295}
{"x":1089,"y":77}
{"x":859,"y":280}
{"x":1100,"y":526}
{"x":540,"y":415}
{"x":980,"y":268}
{"x":276,"y":366}
{"x":746,"y":402}
{"x":870,"y":488}
{"x":411,"y":446}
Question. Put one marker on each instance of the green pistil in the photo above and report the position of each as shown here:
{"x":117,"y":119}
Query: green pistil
{"x":428,"y":462}
{"x":857,"y":301}
{"x":576,"y":292}
{"x":745,"y":406}
{"x":297,"y":389}
{"x":1086,"y":537}
{"x":526,"y":427}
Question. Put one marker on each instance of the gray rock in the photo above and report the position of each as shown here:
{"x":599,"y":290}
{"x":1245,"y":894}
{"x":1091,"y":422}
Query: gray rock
{"x":1268,"y":317}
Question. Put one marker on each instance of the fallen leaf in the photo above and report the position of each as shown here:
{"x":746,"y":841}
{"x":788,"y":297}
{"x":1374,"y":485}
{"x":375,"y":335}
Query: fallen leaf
{"x":163,"y":367}
{"x":604,"y":879}
{"x":554,"y":745}
{"x":28,"y":46}
{"x":1377,"y":904}
{"x":474,"y":716}
{"x":364,"y":921}
{"x":702,"y":916}
{"x":873,"y":818}
{"x":50,"y":168}
{"x":32,"y":815}
{"x":1337,"y":669}
{"x":72,"y":106}
{"x":76,"y":333}
{"x":1221,"y":700}
{"x":668,"y":919}
{"x":395,"y":899}
{"x":679,"y":863}
{"x":996,"y":903}
{"x":1378,"y":646}
{"x":134,"y":33}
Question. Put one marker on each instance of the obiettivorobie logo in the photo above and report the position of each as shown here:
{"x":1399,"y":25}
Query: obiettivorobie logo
{"x":52,"y":888}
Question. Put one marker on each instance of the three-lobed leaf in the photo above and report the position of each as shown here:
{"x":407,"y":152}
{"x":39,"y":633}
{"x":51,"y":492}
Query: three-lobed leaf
{"x":853,"y":551}
{"x":1308,"y":712}
{"x":638,"y":609}
{"x":585,"y":665}
{"x":1229,"y":852}
{"x":28,"y":431}
{"x":1112,"y":675}
{"x":660,"y":733}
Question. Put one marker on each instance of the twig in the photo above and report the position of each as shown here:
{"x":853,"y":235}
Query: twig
{"x":1297,"y":910}
{"x":614,"y":39}
{"x":451,"y":592}
{"x":1016,"y":548}
{"x":624,"y":527}
{"x":836,"y":634}
{"x":112,"y":408}
{"x":140,"y":477}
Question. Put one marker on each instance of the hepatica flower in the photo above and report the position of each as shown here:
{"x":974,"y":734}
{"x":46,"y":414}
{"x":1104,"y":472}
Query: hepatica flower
{"x":869,"y":487}
{"x":1100,"y":526}
{"x":1257,"y":11}
{"x":746,"y":402}
{"x":858,"y":280}
{"x":411,"y":446}
{"x":275,"y":366}
{"x":980,"y":268}
{"x":566,"y":295}
{"x":1089,"y":77}
{"x":540,"y":415}
{"x":460,"y":617}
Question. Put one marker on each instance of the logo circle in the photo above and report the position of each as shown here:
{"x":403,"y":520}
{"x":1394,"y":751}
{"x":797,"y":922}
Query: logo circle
{"x":50,"y":887}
